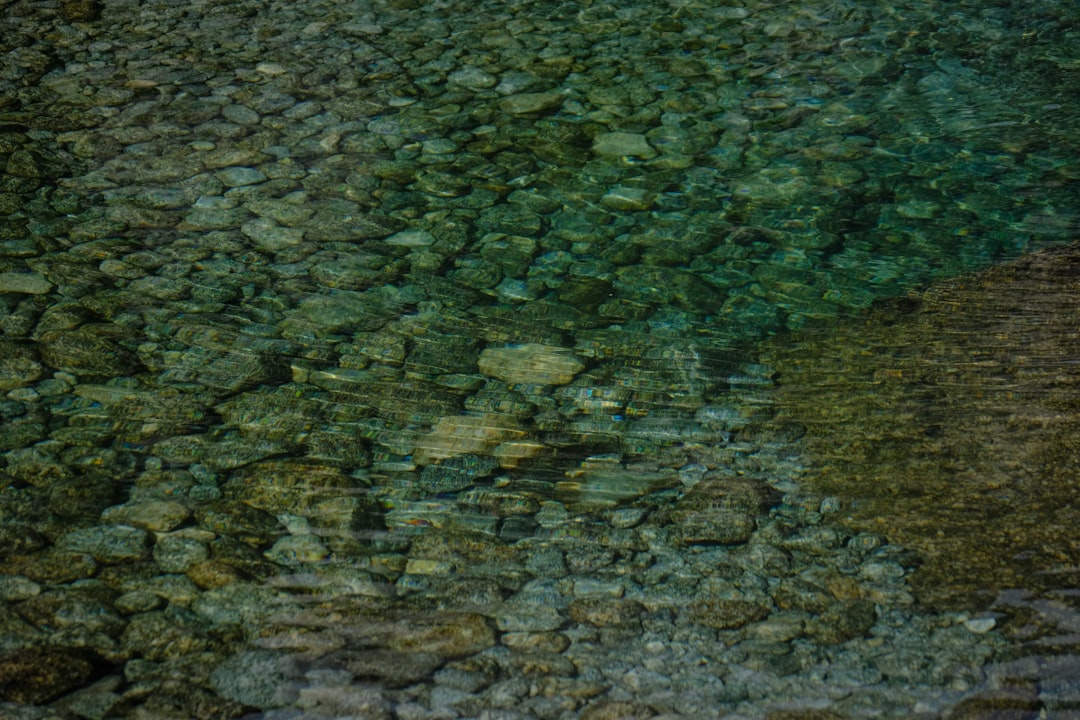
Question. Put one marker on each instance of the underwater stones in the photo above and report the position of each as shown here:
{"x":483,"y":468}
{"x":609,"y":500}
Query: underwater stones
{"x":271,"y":237}
{"x":159,"y":636}
{"x":258,"y":678}
{"x":726,"y":614}
{"x":108,"y":543}
{"x":531,"y":103}
{"x":240,"y":176}
{"x":289,"y":485}
{"x":238,"y":520}
{"x":28,"y":283}
{"x":530,"y":363}
{"x":718,"y":491}
{"x":18,"y":365}
{"x":843,"y":620}
{"x":411,"y":238}
{"x":867,"y":395}
{"x":38,"y":675}
{"x":89,"y":350}
{"x":713,"y":527}
{"x":465,"y":434}
{"x":392,"y":667}
{"x":628,"y":198}
{"x":509,"y":219}
{"x":455,"y":473}
{"x":623,"y":145}
{"x":446,"y":634}
{"x":605,"y":611}
{"x":598,"y":485}
{"x":178,"y":552}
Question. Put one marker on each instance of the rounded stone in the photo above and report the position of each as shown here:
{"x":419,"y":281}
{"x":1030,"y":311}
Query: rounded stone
{"x":622,"y":144}
{"x":238,"y":176}
{"x":530,"y":363}
{"x":108,"y":543}
{"x":258,"y":678}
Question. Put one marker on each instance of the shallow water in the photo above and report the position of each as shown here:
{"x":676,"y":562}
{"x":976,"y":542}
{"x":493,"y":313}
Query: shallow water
{"x":538,"y":359}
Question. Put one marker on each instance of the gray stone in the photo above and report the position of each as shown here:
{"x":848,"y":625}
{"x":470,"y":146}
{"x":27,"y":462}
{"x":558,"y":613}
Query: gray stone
{"x":240,"y":176}
{"x":30,"y":283}
{"x":268,"y":235}
{"x":108,"y":543}
{"x":473,"y":77}
{"x":258,"y":678}
{"x":622,"y":144}
{"x":175,"y":554}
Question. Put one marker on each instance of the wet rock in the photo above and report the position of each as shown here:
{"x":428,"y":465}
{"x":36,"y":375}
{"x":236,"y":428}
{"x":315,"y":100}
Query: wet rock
{"x":82,"y":610}
{"x":456,"y":473}
{"x":52,"y":566}
{"x":617,"y":710}
{"x":536,"y":663}
{"x":621,"y":144}
{"x":164,"y":635}
{"x":177,"y":554}
{"x":456,"y":435}
{"x":258,"y":678}
{"x":238,"y":520}
{"x":726,"y":614}
{"x":37,"y":675}
{"x":278,"y":486}
{"x":18,"y":366}
{"x":24,"y":283}
{"x":108,"y":543}
{"x":842,"y":621}
{"x":604,"y":611}
{"x":391,"y":667}
{"x":531,"y":103}
{"x":153,"y":515}
{"x":89,"y":350}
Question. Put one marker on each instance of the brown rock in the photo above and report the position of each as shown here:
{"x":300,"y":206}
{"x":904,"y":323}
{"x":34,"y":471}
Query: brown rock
{"x":604,"y":611}
{"x":726,"y":614}
{"x":947,"y":420}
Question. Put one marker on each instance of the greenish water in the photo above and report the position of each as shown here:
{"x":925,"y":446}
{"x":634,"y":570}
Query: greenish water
{"x":337,"y":338}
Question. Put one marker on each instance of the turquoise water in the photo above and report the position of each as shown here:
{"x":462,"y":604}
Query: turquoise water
{"x":402,"y":360}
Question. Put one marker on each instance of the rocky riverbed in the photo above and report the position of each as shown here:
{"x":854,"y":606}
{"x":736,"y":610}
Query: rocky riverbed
{"x":506,"y":360}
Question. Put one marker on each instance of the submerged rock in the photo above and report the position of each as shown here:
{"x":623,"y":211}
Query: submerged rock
{"x":943,"y":419}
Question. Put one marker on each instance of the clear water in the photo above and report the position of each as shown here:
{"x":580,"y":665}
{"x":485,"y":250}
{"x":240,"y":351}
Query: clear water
{"x":360,"y":354}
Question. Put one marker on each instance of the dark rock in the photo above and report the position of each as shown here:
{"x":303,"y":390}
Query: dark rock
{"x":90,"y":350}
{"x":843,"y":620}
{"x":81,"y":10}
{"x":389,"y":667}
{"x":238,"y":520}
{"x":37,"y":675}
{"x":726,"y":614}
{"x":604,"y":611}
